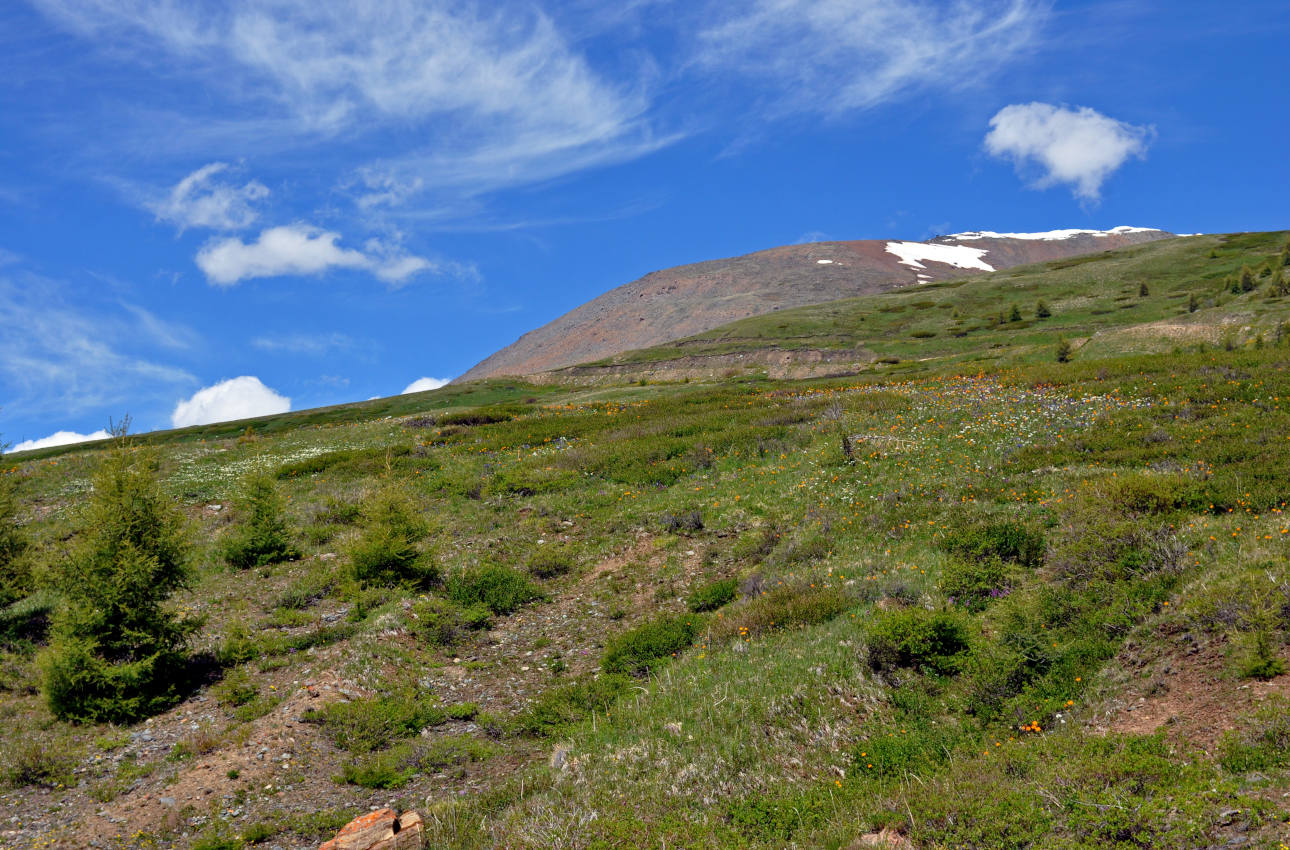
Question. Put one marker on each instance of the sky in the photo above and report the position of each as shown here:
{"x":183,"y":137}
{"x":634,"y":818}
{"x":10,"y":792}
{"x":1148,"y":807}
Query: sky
{"x":217,"y":210}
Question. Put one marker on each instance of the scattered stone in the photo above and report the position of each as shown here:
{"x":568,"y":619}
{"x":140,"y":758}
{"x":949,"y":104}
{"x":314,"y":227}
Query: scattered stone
{"x":382,"y":829}
{"x":886,"y":838}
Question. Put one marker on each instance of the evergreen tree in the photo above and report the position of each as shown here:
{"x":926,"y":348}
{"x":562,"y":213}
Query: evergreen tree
{"x":116,"y":653}
{"x":1015,"y":315}
{"x":1247,"y":280}
{"x":262,"y":537}
{"x":1042,"y":311}
{"x":15,"y":572}
{"x":1063,"y":351}
{"x":1234,"y":285}
{"x":1144,"y":290}
{"x":386,"y":552}
{"x":1193,"y":303}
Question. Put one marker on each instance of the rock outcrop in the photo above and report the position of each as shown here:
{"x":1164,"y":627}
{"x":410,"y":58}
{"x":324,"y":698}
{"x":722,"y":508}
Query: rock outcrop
{"x":383,"y":829}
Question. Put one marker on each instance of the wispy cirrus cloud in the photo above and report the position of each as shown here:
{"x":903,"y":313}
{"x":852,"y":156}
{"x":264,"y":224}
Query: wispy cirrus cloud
{"x":492,"y":89}
{"x":1079,"y":147}
{"x":62,"y":356}
{"x":837,"y":56}
{"x":311,"y":345}
{"x":203,"y":200}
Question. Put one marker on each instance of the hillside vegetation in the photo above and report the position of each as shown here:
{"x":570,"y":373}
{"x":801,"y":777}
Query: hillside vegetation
{"x":1095,"y":301}
{"x":1012,"y":602}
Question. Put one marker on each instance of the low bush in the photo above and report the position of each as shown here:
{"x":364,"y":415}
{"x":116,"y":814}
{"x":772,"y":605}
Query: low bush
{"x":1005,"y":540}
{"x":237,"y":688}
{"x":911,"y":748}
{"x":1261,"y":741}
{"x":782,"y":607}
{"x":396,"y":766}
{"x":686,"y":521}
{"x":560,"y":708}
{"x":914,"y":638}
{"x":710,"y":597}
{"x":442,"y":623}
{"x":975,"y":584}
{"x":36,"y":760}
{"x":366,"y":725}
{"x":499,"y":589}
{"x":550,"y":562}
{"x":647,"y":647}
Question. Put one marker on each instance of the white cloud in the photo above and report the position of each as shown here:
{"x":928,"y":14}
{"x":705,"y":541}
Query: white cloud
{"x":300,"y":249}
{"x":308,"y":344}
{"x":832,"y":56}
{"x":495,"y":90}
{"x":236,"y":398}
{"x":201,"y":200}
{"x":422,"y":384}
{"x":64,"y":355}
{"x":59,"y":438}
{"x":1080,"y":147}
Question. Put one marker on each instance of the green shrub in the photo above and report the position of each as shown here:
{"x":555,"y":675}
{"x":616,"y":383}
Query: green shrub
{"x":117,"y":652}
{"x":366,"y":725}
{"x":386,"y":552}
{"x":931,"y":641}
{"x":237,"y":688}
{"x":550,"y":562}
{"x":1260,"y":741}
{"x":911,"y":748}
{"x":442,"y":623}
{"x":261,"y":538}
{"x":712,"y":596}
{"x":396,"y":766}
{"x":975,"y":584}
{"x":559,"y":708}
{"x":481,"y":415}
{"x":499,"y":589}
{"x":778,"y":820}
{"x":15,"y":567}
{"x":650,"y":645}
{"x":36,"y":760}
{"x":1003,"y":539}
{"x":783,"y":607}
{"x":685,"y":521}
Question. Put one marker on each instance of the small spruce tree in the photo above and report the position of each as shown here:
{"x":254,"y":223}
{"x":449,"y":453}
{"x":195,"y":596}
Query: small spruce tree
{"x":117,"y":653}
{"x":1247,"y":280}
{"x":1063,"y":351}
{"x":1042,"y":311}
{"x":1015,"y":315}
{"x":262,"y":537}
{"x":15,"y":571}
{"x":1193,"y":303}
{"x":386,"y":552}
{"x":1143,"y":290}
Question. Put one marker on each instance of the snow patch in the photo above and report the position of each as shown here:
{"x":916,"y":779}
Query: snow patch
{"x":824,"y":262}
{"x":1049,"y":235}
{"x":912,"y":253}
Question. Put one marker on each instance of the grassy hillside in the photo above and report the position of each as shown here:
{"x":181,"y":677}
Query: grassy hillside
{"x":989,"y":605}
{"x":1095,"y":301}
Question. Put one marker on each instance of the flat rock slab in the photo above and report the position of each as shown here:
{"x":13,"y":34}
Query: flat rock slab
{"x":383,"y":829}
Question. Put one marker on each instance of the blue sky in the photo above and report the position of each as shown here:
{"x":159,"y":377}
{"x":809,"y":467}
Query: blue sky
{"x":216,"y":210}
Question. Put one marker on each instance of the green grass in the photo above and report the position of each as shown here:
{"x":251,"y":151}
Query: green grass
{"x":696,"y":615}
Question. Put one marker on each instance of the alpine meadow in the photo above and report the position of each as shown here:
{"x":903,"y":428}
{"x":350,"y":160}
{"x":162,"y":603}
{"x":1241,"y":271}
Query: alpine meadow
{"x":1013,"y":575}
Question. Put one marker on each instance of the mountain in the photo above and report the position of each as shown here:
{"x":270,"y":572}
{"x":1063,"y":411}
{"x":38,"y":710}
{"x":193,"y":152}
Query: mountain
{"x":687,"y":300}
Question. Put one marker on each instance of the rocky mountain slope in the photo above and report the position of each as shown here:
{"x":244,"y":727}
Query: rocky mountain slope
{"x":687,"y":300}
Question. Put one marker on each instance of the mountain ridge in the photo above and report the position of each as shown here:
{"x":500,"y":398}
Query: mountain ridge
{"x":685,"y":300}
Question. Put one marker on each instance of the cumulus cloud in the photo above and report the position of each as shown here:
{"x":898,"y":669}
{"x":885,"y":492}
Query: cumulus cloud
{"x":59,"y":438}
{"x":236,"y":398}
{"x":831,"y":56}
{"x":202,"y":200}
{"x":299,"y":249}
{"x":422,"y":384}
{"x":1080,"y":147}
